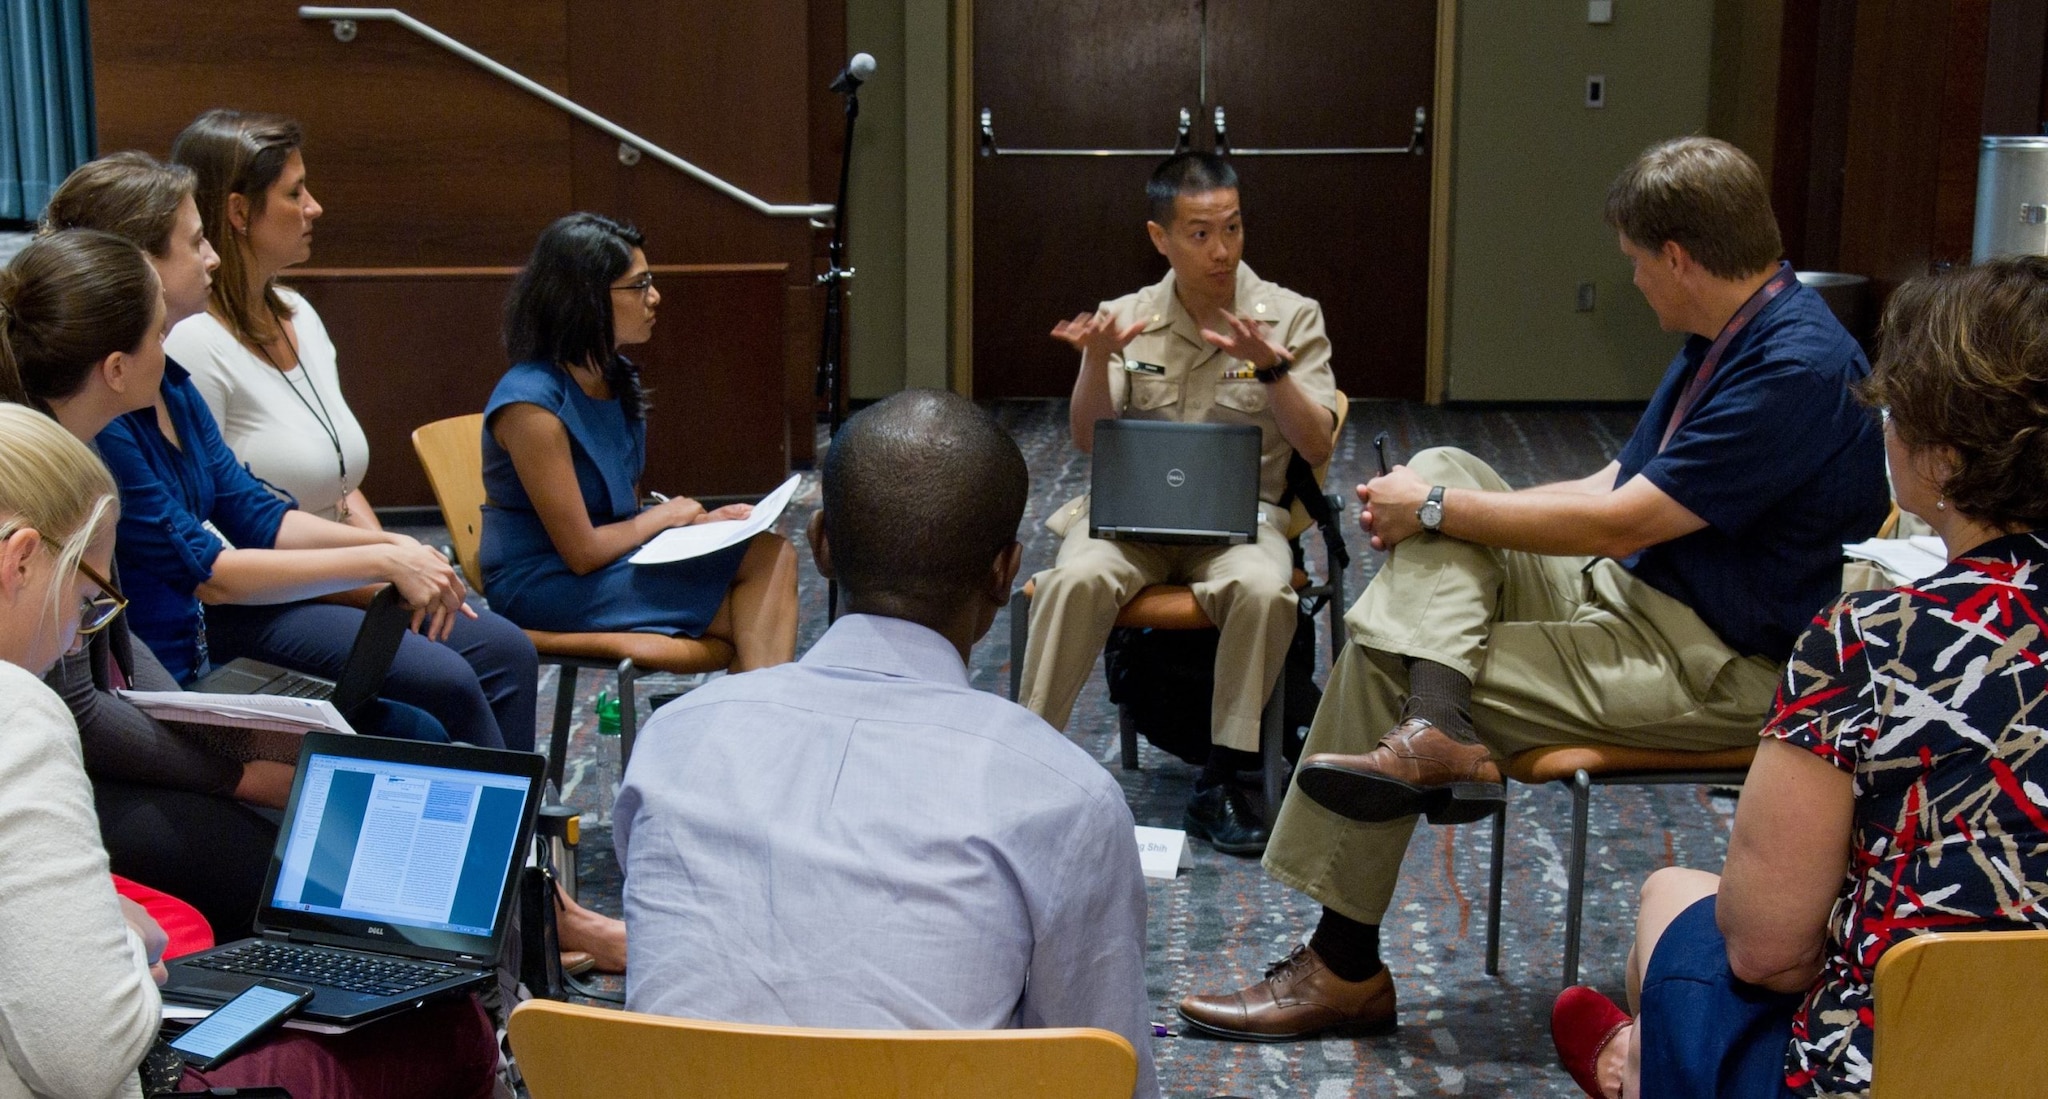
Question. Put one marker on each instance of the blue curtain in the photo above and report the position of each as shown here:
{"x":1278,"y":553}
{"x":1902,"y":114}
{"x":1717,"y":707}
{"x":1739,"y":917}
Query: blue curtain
{"x":46,"y":126}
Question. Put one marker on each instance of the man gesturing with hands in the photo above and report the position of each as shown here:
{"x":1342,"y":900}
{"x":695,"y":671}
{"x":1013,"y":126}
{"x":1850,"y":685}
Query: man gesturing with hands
{"x":1209,"y":343}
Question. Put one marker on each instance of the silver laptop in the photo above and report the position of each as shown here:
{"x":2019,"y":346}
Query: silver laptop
{"x":1187,"y":484}
{"x":392,"y":882}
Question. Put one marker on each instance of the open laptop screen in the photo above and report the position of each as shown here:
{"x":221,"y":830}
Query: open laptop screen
{"x":391,"y":851}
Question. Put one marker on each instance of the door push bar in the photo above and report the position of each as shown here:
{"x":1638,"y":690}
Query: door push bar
{"x":1417,"y":143}
{"x":989,"y":147}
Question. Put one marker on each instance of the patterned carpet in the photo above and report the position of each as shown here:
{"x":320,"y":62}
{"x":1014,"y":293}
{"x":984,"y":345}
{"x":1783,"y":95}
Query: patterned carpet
{"x":1218,"y":925}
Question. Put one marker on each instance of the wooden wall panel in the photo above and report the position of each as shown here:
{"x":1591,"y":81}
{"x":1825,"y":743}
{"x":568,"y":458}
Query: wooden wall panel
{"x":424,"y":161}
{"x":420,"y":158}
{"x":417,"y":345}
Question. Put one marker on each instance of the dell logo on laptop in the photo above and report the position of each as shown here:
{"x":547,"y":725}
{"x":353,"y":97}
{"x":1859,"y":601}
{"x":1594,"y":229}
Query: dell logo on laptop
{"x":374,"y":930}
{"x":1175,"y":478}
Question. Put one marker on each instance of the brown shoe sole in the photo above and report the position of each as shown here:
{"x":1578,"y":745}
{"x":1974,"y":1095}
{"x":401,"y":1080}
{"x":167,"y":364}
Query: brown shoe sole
{"x":1376,"y":798}
{"x":1364,"y":1028}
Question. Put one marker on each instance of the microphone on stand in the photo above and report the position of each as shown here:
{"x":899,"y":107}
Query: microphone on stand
{"x":856,"y":73}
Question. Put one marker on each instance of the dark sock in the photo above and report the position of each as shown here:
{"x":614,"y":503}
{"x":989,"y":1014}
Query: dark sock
{"x":1223,"y":766}
{"x":1350,"y":949}
{"x":1442,"y":697}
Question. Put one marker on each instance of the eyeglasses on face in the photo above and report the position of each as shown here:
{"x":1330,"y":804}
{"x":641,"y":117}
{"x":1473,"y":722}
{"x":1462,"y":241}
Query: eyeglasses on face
{"x":94,"y":611}
{"x":639,"y":286}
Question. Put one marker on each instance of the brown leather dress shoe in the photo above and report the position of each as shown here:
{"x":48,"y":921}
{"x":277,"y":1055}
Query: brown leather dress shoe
{"x":1299,"y":997}
{"x":1417,"y":770}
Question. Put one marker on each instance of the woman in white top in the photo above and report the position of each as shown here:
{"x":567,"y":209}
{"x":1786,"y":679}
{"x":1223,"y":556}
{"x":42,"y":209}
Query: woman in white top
{"x":262,"y":360}
{"x":79,"y":965}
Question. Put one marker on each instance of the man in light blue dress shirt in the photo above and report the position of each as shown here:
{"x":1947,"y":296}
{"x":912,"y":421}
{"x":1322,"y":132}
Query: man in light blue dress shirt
{"x":860,"y":838}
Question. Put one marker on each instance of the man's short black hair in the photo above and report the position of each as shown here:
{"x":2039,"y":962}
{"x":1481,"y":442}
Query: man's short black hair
{"x":922,"y":491}
{"x":1186,"y":174}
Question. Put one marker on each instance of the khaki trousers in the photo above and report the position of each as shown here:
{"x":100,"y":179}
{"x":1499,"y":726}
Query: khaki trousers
{"x":1244,"y":589}
{"x":1561,"y":650}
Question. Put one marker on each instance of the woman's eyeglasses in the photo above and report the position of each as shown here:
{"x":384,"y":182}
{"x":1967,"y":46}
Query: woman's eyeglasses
{"x":638,"y":286}
{"x":96,"y":611}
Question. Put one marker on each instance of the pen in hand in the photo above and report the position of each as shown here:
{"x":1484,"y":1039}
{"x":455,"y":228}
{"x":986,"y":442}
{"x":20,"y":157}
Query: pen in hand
{"x":1379,"y":444}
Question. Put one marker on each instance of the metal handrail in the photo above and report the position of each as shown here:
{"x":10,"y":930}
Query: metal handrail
{"x":345,"y":20}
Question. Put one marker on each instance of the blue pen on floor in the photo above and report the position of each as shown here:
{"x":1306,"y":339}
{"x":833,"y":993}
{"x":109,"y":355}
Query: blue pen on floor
{"x":1159,"y":1031}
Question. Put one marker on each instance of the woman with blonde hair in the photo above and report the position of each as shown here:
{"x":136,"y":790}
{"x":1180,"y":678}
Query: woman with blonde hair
{"x":79,"y":965}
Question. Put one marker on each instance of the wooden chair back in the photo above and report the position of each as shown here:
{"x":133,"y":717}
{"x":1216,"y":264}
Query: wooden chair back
{"x":1955,"y":1015}
{"x":570,"y":1051}
{"x":452,"y":453}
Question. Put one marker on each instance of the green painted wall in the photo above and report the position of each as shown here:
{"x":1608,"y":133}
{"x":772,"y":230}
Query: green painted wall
{"x":1530,"y":169}
{"x":897,"y":231}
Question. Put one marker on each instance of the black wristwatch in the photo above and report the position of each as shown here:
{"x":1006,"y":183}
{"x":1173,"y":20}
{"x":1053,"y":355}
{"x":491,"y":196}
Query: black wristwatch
{"x":1432,"y":510}
{"x":1273,"y":373}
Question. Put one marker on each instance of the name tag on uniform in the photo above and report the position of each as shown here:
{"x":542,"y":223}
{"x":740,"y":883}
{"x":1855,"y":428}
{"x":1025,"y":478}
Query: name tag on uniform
{"x":1133,"y":366}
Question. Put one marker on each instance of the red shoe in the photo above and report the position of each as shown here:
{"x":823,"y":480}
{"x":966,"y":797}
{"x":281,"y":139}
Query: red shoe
{"x":1582,"y":1022}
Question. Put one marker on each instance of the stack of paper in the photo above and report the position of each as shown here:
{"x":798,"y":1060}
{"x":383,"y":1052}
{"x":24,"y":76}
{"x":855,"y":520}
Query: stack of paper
{"x":1904,"y":559}
{"x":242,"y":727}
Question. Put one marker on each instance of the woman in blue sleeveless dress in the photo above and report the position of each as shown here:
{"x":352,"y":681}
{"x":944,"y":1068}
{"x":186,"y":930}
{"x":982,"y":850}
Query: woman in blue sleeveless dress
{"x":565,"y":443}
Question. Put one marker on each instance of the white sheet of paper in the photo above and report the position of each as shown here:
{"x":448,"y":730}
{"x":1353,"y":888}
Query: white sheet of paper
{"x":1163,"y":852}
{"x":683,"y":543}
{"x":1907,"y":559}
{"x":275,"y":713}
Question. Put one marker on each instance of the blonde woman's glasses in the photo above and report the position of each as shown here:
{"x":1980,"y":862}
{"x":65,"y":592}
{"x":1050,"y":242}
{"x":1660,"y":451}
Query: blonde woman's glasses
{"x":94,"y":611}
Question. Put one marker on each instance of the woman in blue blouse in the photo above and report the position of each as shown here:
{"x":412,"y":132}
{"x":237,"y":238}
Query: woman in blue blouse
{"x":564,"y":446}
{"x":197,"y":530}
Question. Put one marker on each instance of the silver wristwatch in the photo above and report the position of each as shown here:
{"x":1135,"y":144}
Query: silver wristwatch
{"x":1432,"y":510}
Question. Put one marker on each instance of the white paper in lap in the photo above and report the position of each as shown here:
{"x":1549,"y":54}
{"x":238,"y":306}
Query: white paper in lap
{"x":683,"y":543}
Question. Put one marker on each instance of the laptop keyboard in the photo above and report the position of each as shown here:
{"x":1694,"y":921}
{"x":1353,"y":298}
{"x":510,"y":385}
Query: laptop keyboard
{"x":341,"y":969}
{"x":299,"y":686}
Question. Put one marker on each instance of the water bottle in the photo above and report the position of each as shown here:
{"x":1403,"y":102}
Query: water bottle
{"x":607,"y":770}
{"x":560,"y":827}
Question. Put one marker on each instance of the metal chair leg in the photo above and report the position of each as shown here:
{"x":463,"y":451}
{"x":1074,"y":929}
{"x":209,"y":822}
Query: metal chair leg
{"x":1575,"y":899}
{"x":565,"y":711}
{"x":1273,"y":748}
{"x":1020,"y":636}
{"x":629,"y":718}
{"x":1494,"y":889}
{"x":1127,"y":733}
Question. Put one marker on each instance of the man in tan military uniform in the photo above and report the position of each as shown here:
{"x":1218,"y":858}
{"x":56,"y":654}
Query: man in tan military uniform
{"x":1209,"y":343}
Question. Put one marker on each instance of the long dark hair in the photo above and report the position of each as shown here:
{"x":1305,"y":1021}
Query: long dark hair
{"x":237,"y":153}
{"x":560,"y":309}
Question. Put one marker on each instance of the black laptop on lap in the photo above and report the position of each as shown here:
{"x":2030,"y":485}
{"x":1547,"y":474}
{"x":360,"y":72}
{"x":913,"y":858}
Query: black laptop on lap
{"x":1187,"y":484}
{"x":392,"y":882}
{"x":385,"y":622}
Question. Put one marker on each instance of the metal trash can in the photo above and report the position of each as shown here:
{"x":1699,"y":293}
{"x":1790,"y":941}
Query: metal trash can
{"x":1848,"y":297}
{"x":2012,"y":198}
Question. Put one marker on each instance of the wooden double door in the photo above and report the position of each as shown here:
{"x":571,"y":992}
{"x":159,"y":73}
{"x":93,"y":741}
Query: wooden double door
{"x":1055,"y":234}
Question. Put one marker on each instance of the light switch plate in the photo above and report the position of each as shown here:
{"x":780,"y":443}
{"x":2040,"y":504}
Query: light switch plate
{"x":1599,"y":11}
{"x":1596,"y":91}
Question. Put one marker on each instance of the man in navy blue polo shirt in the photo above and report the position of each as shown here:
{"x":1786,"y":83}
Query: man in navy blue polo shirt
{"x":1649,"y":604}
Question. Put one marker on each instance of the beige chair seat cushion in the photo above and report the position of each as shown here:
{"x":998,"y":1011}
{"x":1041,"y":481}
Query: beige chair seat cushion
{"x":1558,"y":762}
{"x":651,"y":652}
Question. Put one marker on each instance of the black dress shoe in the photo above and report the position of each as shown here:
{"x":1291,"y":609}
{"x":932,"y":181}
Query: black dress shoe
{"x":1222,"y":816}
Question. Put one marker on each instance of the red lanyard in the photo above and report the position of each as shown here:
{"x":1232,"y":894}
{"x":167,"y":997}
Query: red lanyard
{"x":1778,"y":284}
